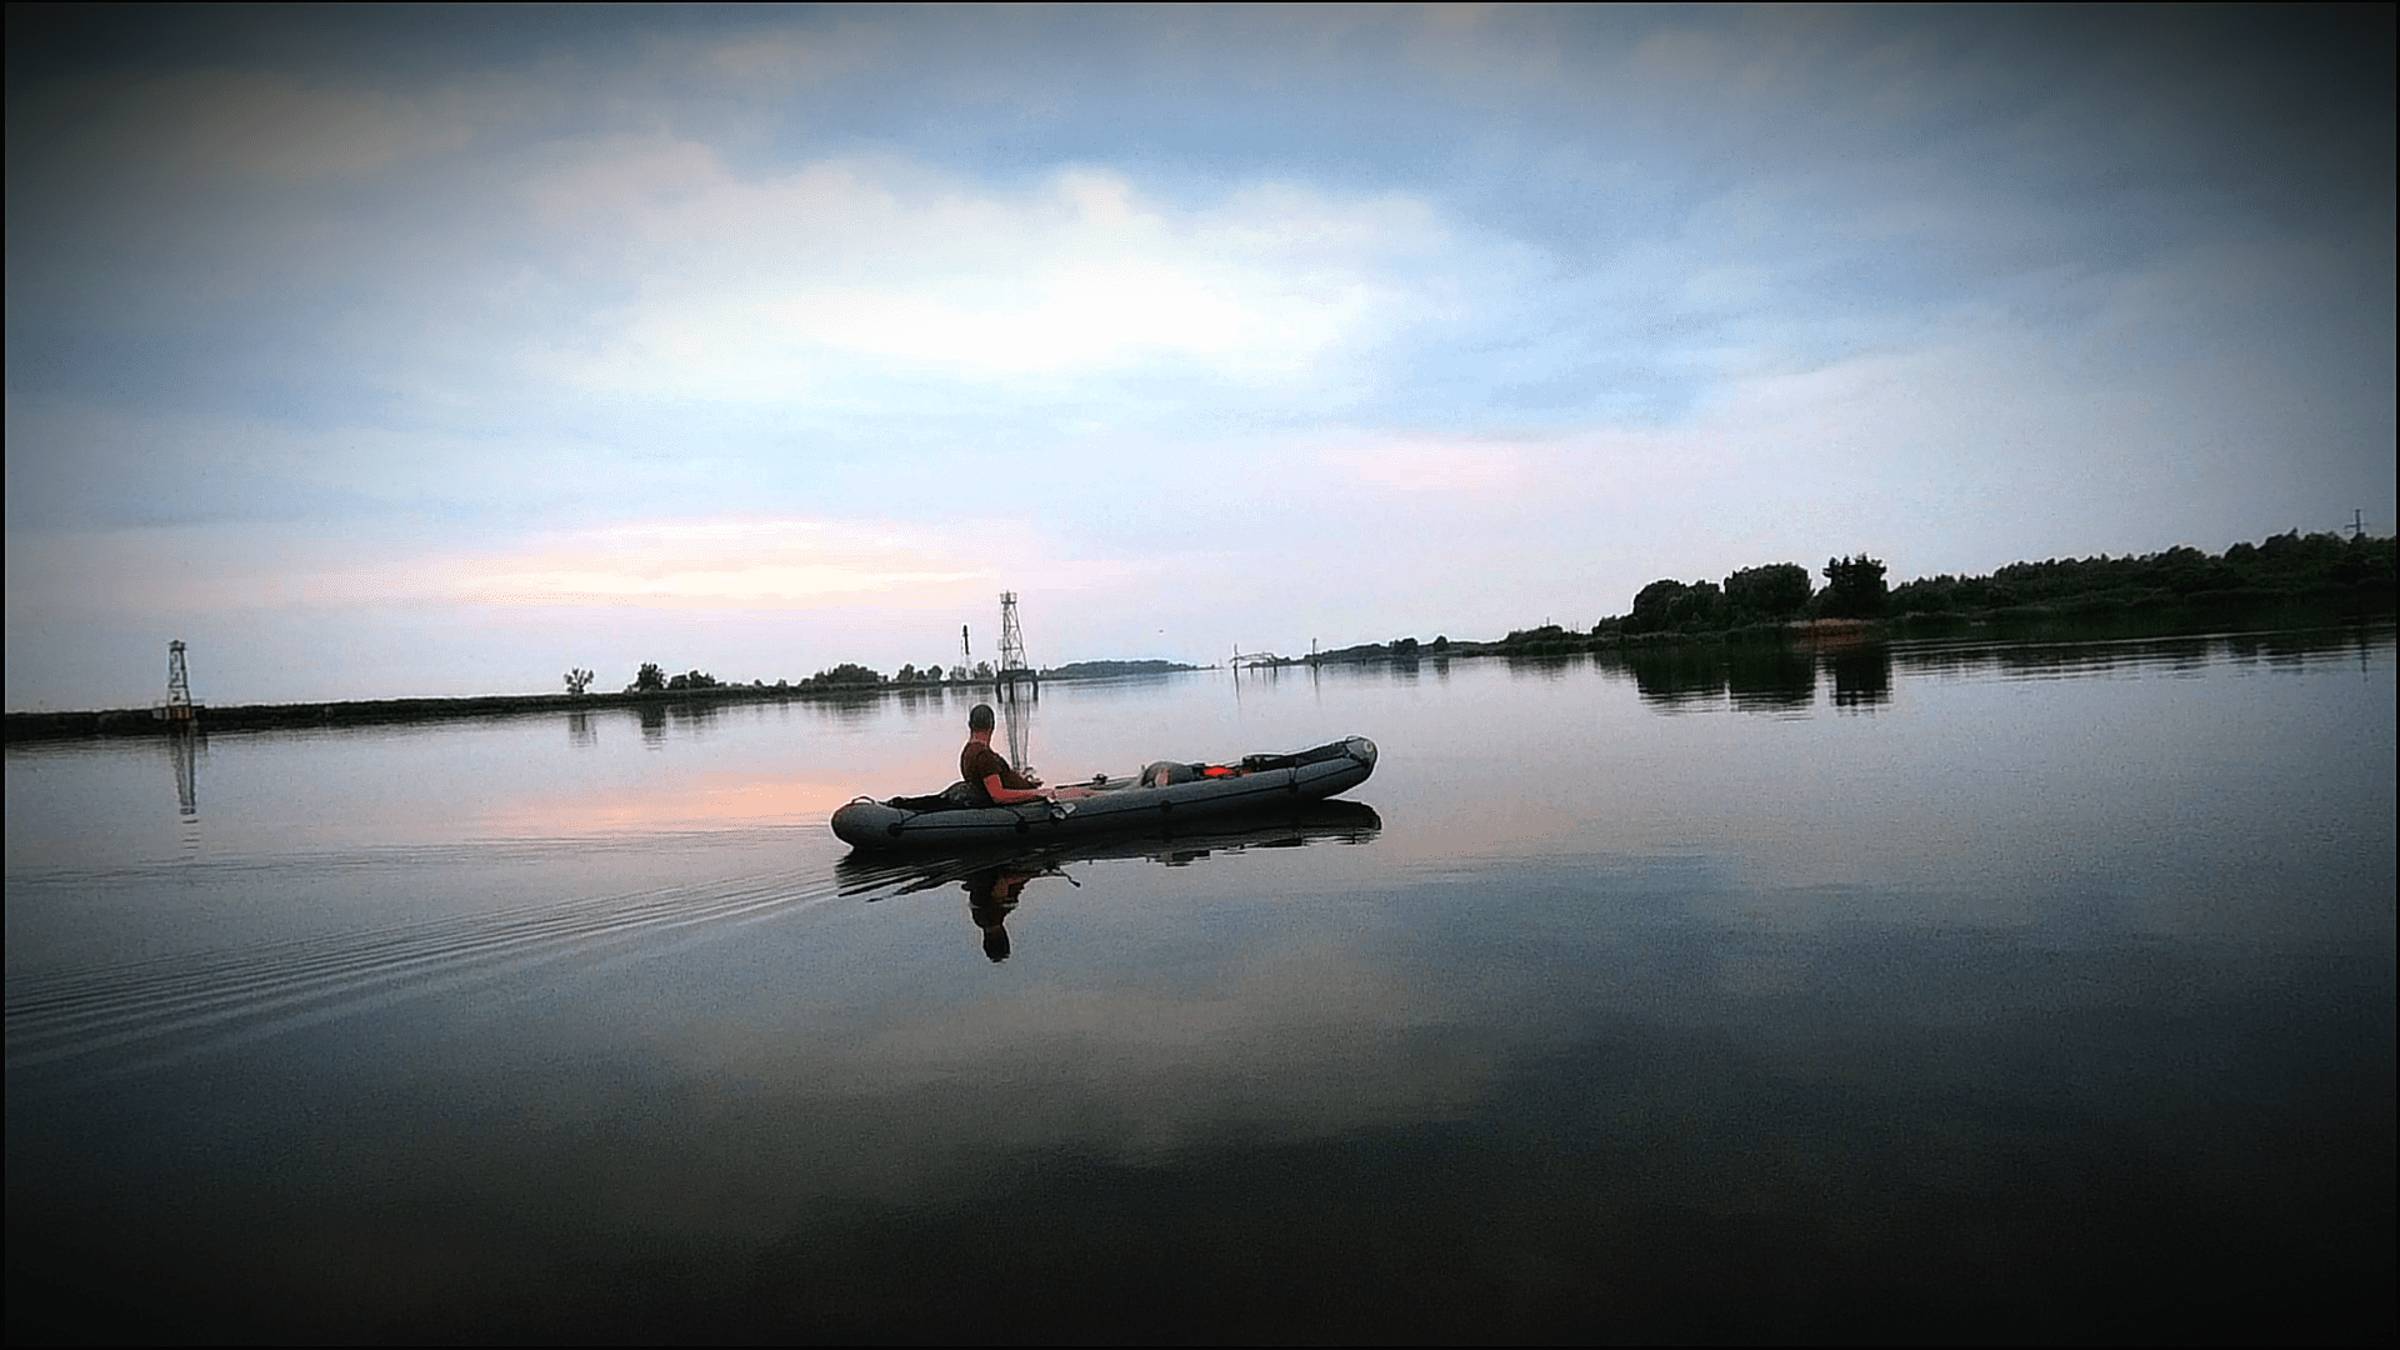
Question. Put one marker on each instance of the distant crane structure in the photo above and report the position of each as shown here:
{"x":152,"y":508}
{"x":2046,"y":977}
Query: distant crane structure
{"x":2358,"y":523}
{"x":1014,"y":668}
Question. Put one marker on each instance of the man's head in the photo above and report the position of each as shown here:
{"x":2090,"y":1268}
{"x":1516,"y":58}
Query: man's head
{"x":981,"y":718}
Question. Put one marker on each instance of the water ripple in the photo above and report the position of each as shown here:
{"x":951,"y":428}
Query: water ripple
{"x":226,"y":997}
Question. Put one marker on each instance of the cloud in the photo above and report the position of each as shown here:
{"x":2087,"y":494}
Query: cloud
{"x":786,"y":285}
{"x":205,"y":126}
{"x":1444,"y":468}
{"x":69,"y":464}
{"x":772,"y":61}
{"x":724,"y":563}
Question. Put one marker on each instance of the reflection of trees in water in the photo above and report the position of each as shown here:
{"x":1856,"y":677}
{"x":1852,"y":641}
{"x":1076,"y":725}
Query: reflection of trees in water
{"x":2055,"y":658}
{"x":1751,"y":676}
{"x":688,"y":716}
{"x":1862,"y":677}
{"x":1676,"y":676}
{"x":848,"y":705}
{"x":1769,"y":678}
{"x":579,"y":731}
{"x":1552,"y":667}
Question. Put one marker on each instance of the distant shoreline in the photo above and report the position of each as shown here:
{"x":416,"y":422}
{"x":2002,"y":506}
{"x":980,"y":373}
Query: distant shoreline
{"x":120,"y":722}
{"x":2016,"y":623}
{"x":2024,"y":623}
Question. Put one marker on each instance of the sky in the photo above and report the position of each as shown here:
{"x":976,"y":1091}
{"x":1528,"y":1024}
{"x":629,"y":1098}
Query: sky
{"x":421,"y":351}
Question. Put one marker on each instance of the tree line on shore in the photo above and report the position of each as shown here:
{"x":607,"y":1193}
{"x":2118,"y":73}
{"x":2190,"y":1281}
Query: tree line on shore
{"x":653,"y":679}
{"x":1767,"y":598}
{"x":2287,"y":566}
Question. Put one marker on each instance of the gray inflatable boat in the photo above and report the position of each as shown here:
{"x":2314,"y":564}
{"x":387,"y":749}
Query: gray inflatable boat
{"x":1257,"y":782}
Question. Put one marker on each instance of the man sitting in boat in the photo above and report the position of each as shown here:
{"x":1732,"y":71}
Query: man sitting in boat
{"x":990,"y":779}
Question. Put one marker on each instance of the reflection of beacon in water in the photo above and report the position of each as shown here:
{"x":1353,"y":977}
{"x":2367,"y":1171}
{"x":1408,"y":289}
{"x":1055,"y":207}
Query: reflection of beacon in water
{"x":183,"y":748}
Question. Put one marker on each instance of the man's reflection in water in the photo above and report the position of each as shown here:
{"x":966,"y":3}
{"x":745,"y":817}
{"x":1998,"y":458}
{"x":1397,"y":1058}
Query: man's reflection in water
{"x":991,"y":898}
{"x":994,"y":884}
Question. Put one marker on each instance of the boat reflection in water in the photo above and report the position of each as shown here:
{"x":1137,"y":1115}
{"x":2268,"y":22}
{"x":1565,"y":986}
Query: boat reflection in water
{"x":995,"y":880}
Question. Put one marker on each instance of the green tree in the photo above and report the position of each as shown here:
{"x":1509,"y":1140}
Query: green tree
{"x":1775,"y":591}
{"x":578,"y":680}
{"x":847,"y":675}
{"x":1701,"y":606}
{"x":649,"y":680}
{"x":1854,"y":588}
{"x":1653,"y":605}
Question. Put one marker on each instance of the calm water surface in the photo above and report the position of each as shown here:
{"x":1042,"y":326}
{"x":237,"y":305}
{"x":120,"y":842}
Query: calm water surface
{"x":1955,"y":991}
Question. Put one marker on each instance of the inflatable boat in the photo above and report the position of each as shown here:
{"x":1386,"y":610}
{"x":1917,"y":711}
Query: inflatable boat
{"x":948,"y":820}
